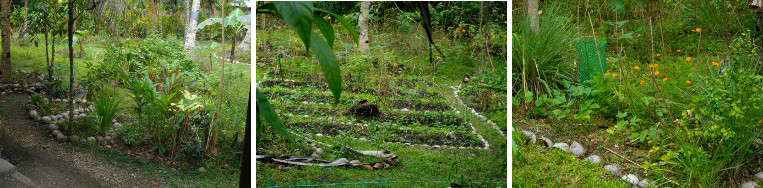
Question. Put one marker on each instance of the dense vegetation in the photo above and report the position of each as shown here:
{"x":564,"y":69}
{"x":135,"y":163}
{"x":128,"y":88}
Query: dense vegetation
{"x":183,"y":107}
{"x":414,"y":97}
{"x":680,"y":95}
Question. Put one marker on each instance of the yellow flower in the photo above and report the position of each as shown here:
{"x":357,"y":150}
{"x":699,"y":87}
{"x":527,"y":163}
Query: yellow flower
{"x":636,"y":67}
{"x":641,"y":83}
{"x":656,"y":72}
{"x":329,"y":17}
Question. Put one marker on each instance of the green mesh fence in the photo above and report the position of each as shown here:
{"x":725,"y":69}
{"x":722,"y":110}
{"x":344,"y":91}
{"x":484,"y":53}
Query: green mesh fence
{"x":592,"y":59}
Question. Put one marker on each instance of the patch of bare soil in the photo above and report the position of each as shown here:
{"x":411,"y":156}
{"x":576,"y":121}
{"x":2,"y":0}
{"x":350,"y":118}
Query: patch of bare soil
{"x":49,"y":163}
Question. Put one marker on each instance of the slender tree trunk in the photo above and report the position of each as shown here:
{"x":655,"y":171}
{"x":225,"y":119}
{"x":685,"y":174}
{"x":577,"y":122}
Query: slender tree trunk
{"x":52,"y":49}
{"x":71,"y":63}
{"x":47,"y":55}
{"x":190,"y":28}
{"x":532,"y":13}
{"x":5,"y":52}
{"x":232,"y":48}
{"x":363,"y":24}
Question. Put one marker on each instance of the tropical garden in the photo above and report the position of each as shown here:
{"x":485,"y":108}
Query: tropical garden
{"x":381,"y":94}
{"x":154,"y":88}
{"x":623,"y":93}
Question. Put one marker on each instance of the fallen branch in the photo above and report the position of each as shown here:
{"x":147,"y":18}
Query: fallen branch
{"x":621,"y":156}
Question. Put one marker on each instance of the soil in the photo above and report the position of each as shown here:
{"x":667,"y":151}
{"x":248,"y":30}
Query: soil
{"x":400,"y":104}
{"x":49,"y":163}
{"x":365,"y":110}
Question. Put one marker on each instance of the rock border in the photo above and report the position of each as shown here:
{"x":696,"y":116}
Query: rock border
{"x":578,"y":151}
{"x":52,"y":120}
{"x":457,"y":90}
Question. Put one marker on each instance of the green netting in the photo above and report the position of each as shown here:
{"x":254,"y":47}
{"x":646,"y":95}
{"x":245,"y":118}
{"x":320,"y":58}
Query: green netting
{"x":588,"y":54}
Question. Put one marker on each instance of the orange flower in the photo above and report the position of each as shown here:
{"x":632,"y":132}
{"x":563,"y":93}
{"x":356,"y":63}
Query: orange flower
{"x":688,"y":58}
{"x":715,"y":64}
{"x":641,"y":83}
{"x":680,"y":91}
{"x":678,"y":50}
{"x":688,"y":82}
{"x":636,"y":67}
{"x":658,"y":55}
{"x":613,"y":74}
{"x":656,"y":72}
{"x":606,"y":74}
{"x":698,"y":29}
{"x":692,"y":68}
{"x":655,"y":65}
{"x":651,"y":66}
{"x":665,"y":79}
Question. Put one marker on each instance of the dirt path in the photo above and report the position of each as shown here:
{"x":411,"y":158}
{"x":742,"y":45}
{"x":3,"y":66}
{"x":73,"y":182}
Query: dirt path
{"x":49,"y":163}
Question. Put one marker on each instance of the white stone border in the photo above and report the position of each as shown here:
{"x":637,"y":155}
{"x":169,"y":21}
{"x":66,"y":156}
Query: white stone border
{"x":457,"y":90}
{"x":80,"y":112}
{"x":579,"y":151}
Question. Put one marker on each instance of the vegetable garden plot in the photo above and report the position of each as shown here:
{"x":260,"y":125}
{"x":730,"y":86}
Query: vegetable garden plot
{"x":406,"y":117}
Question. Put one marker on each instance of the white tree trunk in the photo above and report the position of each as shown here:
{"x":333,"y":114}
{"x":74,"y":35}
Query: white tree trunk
{"x":190,"y":29}
{"x":244,"y":45}
{"x":532,"y":14}
{"x":363,"y":24}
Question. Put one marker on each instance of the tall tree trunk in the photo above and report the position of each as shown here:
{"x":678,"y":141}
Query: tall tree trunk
{"x":71,"y":63}
{"x":5,"y":52}
{"x":52,"y":48}
{"x":190,"y":28}
{"x":532,"y":14}
{"x":363,"y":24}
{"x":187,"y":15}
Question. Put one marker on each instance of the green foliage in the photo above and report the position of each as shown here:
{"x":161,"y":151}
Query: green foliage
{"x":106,"y":108}
{"x":36,"y":99}
{"x":540,"y":62}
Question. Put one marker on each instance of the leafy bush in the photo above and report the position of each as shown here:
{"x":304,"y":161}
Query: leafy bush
{"x":540,"y":61}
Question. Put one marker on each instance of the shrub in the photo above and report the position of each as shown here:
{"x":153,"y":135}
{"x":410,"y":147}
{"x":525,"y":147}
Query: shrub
{"x":539,"y":60}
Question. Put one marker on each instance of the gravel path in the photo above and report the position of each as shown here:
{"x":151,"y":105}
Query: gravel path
{"x":49,"y":163}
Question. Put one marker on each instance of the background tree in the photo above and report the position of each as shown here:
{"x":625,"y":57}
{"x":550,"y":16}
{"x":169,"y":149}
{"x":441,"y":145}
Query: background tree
{"x":5,"y":55}
{"x":190,"y":28}
{"x":363,"y":25}
{"x":532,"y":14}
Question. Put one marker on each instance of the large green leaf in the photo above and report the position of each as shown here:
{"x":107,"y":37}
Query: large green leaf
{"x":208,"y":22}
{"x":326,"y":29}
{"x":329,"y":65}
{"x":266,"y":111}
{"x":299,"y":15}
{"x":232,"y":18}
{"x":350,"y":27}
